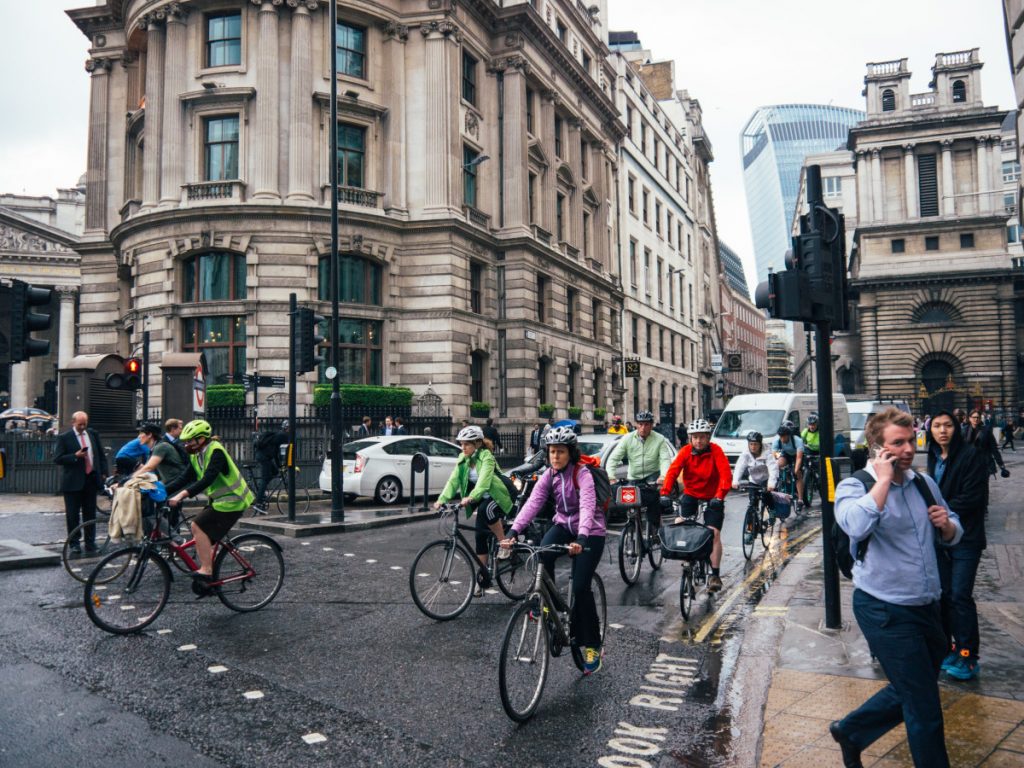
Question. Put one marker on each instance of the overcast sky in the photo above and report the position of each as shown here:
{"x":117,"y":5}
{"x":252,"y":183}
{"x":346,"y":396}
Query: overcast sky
{"x":732,"y":55}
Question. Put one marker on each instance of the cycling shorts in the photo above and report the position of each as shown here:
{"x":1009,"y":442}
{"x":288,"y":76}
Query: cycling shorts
{"x":712,"y":517}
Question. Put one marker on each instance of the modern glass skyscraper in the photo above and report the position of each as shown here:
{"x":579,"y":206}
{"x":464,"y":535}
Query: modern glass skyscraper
{"x":774,"y":144}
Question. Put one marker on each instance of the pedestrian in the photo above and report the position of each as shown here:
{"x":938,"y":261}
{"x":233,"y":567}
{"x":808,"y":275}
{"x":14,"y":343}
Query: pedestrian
{"x":400,"y":426}
{"x":491,"y":433}
{"x":960,"y":416}
{"x":1008,"y":431}
{"x":80,"y":454}
{"x":896,"y":592}
{"x":617,"y":427}
{"x":389,"y":427}
{"x":268,"y":460}
{"x":962,"y":477}
{"x":535,"y":437}
{"x":981,"y":437}
{"x":365,"y":428}
{"x":137,"y":450}
{"x":682,"y":437}
{"x":167,"y":460}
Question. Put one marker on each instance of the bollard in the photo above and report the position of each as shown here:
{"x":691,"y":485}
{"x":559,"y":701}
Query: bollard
{"x":420,"y":463}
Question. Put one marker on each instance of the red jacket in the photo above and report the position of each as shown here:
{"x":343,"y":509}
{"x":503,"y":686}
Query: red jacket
{"x":705,"y":475}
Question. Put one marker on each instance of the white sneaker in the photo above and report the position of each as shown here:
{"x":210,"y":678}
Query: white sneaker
{"x":478,"y":591}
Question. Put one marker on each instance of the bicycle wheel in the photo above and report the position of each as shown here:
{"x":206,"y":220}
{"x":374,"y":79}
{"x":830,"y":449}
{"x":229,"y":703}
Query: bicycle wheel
{"x":523,"y":664}
{"x":133,"y":597}
{"x":686,"y":592}
{"x":810,"y":486}
{"x":766,"y":525}
{"x":182,"y":532}
{"x":80,"y":565}
{"x":629,"y":552}
{"x":749,"y":531}
{"x":515,"y":575}
{"x":277,"y":496}
{"x":441,"y":579}
{"x":253,"y":569}
{"x":654,"y":553}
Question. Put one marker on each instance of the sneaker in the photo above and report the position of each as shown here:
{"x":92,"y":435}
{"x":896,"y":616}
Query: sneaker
{"x":75,"y":548}
{"x":477,"y":591}
{"x":964,"y":668}
{"x":950,"y":660}
{"x":259,"y":509}
{"x":714,"y":583}
{"x":592,"y":660}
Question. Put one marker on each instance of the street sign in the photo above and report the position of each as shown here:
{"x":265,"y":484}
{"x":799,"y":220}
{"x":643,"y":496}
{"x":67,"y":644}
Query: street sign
{"x":631,"y":369}
{"x":734,"y":361}
{"x":716,"y":362}
{"x":198,"y":391}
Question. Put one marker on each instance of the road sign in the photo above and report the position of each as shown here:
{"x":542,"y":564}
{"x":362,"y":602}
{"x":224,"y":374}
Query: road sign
{"x":734,"y":361}
{"x":199,"y":391}
{"x":631,"y":369}
{"x":716,"y":362}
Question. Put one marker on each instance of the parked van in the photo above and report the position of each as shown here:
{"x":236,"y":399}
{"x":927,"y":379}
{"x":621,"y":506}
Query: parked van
{"x":765,"y":412}
{"x":860,"y":412}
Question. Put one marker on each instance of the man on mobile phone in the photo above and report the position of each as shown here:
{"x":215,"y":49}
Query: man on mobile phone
{"x":904,"y":518}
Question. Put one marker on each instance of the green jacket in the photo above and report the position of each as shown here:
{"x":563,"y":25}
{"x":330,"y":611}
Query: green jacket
{"x":228,"y":492}
{"x":646,"y":457}
{"x":812,"y":440}
{"x":487,"y":480}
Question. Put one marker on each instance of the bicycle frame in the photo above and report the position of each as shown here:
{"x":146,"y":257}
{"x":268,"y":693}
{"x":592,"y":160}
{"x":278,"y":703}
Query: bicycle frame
{"x":545,"y":590}
{"x":455,"y":534}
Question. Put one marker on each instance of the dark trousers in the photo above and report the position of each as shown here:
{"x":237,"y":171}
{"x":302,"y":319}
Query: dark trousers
{"x":908,"y":643}
{"x":651,"y":499}
{"x":268,"y":471}
{"x":583,"y":621}
{"x":80,"y":507}
{"x":958,"y":568}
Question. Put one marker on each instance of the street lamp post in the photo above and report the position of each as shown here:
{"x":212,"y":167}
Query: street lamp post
{"x":337,"y":491}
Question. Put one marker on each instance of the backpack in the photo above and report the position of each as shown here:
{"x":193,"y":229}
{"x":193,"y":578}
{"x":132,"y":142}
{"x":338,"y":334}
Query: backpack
{"x":841,"y":540}
{"x":602,"y":485}
{"x":513,"y":492}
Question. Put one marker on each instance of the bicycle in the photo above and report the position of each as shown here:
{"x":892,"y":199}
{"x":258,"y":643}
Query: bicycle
{"x":639,"y":536}
{"x":538,"y":630}
{"x":690,"y":542}
{"x":129,"y":588}
{"x":276,"y":494}
{"x":444,"y":571}
{"x":811,"y":478}
{"x":759,"y":519}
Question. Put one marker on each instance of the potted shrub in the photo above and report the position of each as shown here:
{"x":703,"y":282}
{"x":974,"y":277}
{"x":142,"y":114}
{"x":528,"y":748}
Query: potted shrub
{"x":545,"y":410}
{"x":575,"y":411}
{"x":600,"y":413}
{"x":480,"y":409}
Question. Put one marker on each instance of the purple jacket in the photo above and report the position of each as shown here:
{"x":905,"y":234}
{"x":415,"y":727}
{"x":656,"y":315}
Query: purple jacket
{"x":575,"y":510}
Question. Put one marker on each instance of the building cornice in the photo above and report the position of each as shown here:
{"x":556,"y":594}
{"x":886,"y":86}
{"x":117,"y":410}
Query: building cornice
{"x":936,"y":224}
{"x":974,"y":276}
{"x":896,"y":130}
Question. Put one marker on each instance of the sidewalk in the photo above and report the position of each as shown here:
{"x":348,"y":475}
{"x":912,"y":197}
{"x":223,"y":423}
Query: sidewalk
{"x":820,"y":675}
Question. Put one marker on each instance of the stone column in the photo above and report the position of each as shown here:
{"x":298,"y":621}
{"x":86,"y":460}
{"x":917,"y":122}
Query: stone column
{"x":948,"y":190}
{"x":515,"y":192}
{"x":599,"y":163}
{"x":1007,"y":345}
{"x":66,"y":328}
{"x":910,"y":180}
{"x":877,"y":190}
{"x":868,"y":315}
{"x":440,"y":82}
{"x":96,"y":169}
{"x":300,"y":115}
{"x":172,"y":155}
{"x":574,"y":232}
{"x":265,"y":138}
{"x":987,"y":197}
{"x":548,"y":184}
{"x":995,"y":167}
{"x":395,"y":187}
{"x":154,"y":120}
{"x":863,"y":188}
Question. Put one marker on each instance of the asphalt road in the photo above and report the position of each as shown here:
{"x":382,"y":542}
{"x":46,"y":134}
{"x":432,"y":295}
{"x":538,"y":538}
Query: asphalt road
{"x":344,"y":654}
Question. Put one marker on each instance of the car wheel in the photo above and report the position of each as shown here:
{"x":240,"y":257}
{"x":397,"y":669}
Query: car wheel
{"x":389,"y":490}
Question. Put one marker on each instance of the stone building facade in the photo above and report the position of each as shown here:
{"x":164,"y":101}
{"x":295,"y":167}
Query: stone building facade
{"x":743,"y":331}
{"x":477,"y":172}
{"x":931,"y":271}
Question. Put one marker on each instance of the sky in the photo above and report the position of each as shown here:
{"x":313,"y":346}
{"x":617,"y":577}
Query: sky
{"x":732,"y":55}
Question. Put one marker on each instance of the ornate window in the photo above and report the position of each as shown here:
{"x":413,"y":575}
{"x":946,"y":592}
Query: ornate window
{"x":477,"y":365}
{"x":360,"y":351}
{"x":959,"y":91}
{"x":470,"y":164}
{"x":351,"y":51}
{"x":220,"y":148}
{"x":351,"y":155}
{"x":469,"y":66}
{"x":359,"y":280}
{"x":936,"y":312}
{"x":214,"y":276}
{"x":222,"y":339}
{"x":888,"y":100}
{"x":224,"y":39}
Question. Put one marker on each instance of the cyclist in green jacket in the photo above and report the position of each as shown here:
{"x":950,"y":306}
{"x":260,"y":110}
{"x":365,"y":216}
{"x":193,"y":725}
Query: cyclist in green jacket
{"x":212,"y":471}
{"x":476,"y":480}
{"x":648,"y":453}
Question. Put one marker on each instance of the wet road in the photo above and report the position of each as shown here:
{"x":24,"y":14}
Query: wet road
{"x":344,"y":653}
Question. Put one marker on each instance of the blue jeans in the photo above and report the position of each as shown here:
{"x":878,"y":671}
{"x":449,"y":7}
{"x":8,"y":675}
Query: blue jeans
{"x":958,"y":567}
{"x":908,"y":643}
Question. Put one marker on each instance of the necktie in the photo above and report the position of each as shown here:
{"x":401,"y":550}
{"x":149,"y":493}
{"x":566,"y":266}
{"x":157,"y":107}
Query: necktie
{"x":88,"y":461}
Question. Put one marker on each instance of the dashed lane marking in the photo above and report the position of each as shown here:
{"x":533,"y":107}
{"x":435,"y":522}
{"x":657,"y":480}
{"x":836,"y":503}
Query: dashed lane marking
{"x":314,"y":738}
{"x":616,"y":626}
{"x":216,"y":669}
{"x":396,"y":567}
{"x":328,"y":549}
{"x":253,"y":695}
{"x":187,"y":647}
{"x":350,"y":554}
{"x":771,"y":610}
{"x":371,"y":561}
{"x":163,"y":631}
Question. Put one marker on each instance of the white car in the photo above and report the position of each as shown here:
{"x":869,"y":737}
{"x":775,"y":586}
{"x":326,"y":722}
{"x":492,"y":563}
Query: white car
{"x":600,"y":444}
{"x":381,"y":467}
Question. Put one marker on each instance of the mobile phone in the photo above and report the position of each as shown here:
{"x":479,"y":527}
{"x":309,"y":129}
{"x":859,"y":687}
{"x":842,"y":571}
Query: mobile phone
{"x":876,"y":451}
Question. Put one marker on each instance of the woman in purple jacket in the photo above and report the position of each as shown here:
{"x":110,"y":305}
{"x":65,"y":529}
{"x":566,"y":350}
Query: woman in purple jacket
{"x":578,"y":523}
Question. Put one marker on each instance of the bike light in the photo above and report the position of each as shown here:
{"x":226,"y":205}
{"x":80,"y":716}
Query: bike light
{"x":360,"y":463}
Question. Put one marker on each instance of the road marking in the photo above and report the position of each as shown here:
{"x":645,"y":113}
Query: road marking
{"x":253,"y":695}
{"x":771,"y":610}
{"x":163,"y":631}
{"x":314,"y":738}
{"x":305,"y":543}
{"x":328,"y":549}
{"x":349,"y":554}
{"x":396,"y":567}
{"x":710,"y":623}
{"x":188,"y":647}
{"x":371,"y":561}
{"x":616,"y":626}
{"x":216,"y":669}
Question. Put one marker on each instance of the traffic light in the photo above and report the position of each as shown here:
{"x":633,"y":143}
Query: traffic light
{"x":23,"y":297}
{"x":130,"y":377}
{"x":306,"y":340}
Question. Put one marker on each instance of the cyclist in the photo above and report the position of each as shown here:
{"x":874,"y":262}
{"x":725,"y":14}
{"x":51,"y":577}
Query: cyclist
{"x":580,"y":524}
{"x":703,"y":470}
{"x":648,"y":453}
{"x":164,"y":460}
{"x":268,"y":457}
{"x":789,"y":449}
{"x":137,"y":450}
{"x":760,"y":467}
{"x":617,"y":427}
{"x":476,"y":480}
{"x":210,"y":470}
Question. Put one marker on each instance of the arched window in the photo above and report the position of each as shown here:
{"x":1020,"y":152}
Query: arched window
{"x":359,"y":280}
{"x":939,"y":312}
{"x":888,"y":100}
{"x":959,"y":91}
{"x":935,"y":374}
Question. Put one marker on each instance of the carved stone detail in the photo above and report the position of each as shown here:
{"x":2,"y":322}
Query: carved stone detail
{"x":310,"y":5}
{"x":472,"y":124}
{"x":98,"y":66}
{"x":396,"y":31}
{"x":444,"y":27}
{"x":12,"y":239}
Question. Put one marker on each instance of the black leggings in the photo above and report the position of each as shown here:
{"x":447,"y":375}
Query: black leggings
{"x":487,"y":514}
{"x":583,"y":621}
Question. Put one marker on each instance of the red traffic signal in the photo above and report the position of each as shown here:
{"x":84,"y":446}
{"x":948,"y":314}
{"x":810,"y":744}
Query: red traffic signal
{"x":130,"y":378}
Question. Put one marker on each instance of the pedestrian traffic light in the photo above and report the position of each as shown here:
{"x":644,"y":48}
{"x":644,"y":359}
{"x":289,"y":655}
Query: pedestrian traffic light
{"x":23,"y":297}
{"x":306,"y":340}
{"x":130,"y":377}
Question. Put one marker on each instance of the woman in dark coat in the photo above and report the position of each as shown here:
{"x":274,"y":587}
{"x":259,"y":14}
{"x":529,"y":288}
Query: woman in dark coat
{"x":961,"y":472}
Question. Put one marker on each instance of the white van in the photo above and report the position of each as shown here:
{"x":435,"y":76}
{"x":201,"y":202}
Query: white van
{"x":765,"y":412}
{"x":861,"y":411}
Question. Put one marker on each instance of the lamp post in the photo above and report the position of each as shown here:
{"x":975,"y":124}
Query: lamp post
{"x":337,"y":491}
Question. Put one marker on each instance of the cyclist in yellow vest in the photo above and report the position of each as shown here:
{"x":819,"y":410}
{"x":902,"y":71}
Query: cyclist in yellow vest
{"x":212,"y":471}
{"x":617,"y":427}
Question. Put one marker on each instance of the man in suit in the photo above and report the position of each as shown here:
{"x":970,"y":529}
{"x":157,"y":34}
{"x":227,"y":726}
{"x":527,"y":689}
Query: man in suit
{"x":80,"y":453}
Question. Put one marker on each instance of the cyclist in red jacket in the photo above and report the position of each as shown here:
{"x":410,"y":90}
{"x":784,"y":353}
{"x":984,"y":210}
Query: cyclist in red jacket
{"x":704,"y":474}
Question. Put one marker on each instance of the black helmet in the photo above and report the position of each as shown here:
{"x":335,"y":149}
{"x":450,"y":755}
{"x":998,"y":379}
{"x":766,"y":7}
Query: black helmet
{"x":812,"y":420}
{"x":755,"y":437}
{"x":644,"y":416}
{"x":787,"y":428}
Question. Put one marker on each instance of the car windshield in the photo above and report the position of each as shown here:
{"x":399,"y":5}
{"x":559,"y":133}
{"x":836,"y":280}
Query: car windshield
{"x":348,"y":452}
{"x":735,"y":424}
{"x":858,"y":420}
{"x":592,"y":449}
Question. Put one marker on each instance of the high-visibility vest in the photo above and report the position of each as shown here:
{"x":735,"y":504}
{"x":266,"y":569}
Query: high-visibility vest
{"x":229,"y":491}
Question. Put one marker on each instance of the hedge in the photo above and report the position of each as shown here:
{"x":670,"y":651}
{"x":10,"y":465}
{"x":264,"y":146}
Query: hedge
{"x":363,"y":394}
{"x":218,"y":395}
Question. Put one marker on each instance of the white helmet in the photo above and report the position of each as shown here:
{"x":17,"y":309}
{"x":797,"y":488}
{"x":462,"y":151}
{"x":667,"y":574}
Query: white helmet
{"x":560,"y":436}
{"x":469,"y":434}
{"x":698,"y":426}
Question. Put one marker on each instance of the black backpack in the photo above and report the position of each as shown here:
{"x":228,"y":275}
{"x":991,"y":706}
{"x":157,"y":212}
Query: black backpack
{"x":602,"y":485}
{"x":841,"y":540}
{"x":513,"y":492}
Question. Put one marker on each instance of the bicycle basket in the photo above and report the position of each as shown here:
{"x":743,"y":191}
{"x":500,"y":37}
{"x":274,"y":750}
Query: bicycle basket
{"x":688,"y":540}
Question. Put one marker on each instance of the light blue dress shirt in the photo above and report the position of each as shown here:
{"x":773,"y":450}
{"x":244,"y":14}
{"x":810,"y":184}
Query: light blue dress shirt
{"x":900,"y":565}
